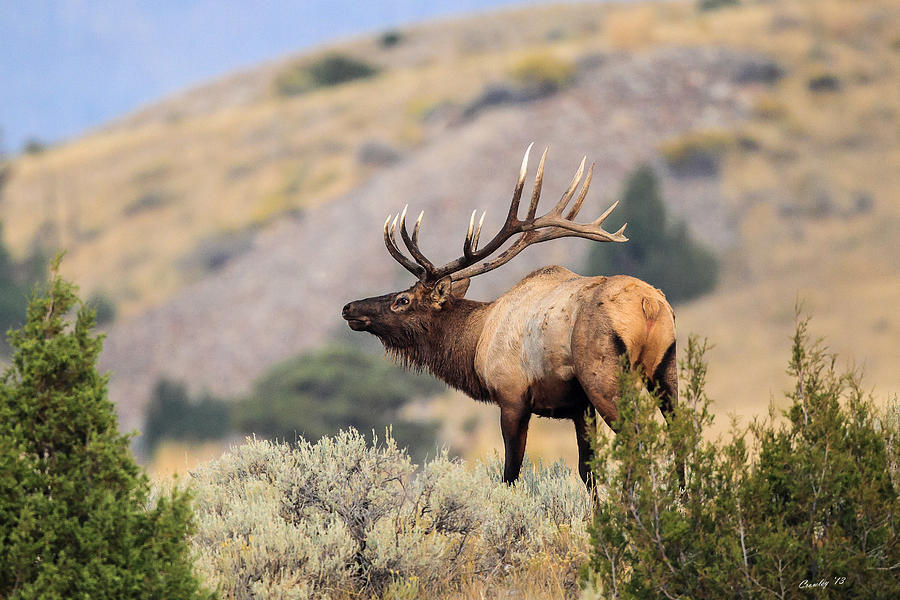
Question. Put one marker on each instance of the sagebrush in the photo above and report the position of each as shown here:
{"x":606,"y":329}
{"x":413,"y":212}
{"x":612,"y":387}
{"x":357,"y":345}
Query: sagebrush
{"x":343,"y":518}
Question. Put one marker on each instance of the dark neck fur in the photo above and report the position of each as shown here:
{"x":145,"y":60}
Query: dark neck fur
{"x":447,"y":350}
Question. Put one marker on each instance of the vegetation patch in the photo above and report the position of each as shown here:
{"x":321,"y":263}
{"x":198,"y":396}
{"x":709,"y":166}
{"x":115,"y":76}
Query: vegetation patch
{"x":543,"y":73}
{"x":802,"y":503}
{"x":103,"y":306}
{"x":16,"y":283}
{"x":147,"y":201}
{"x":343,"y":518}
{"x":214,"y":252}
{"x":390,"y":38}
{"x":327,"y":71}
{"x":660,"y":252}
{"x":824,"y":82}
{"x":319,"y":392}
{"x":533,"y":77}
{"x":174,"y":415}
{"x":76,"y":515}
{"x":696,"y":154}
{"x":715,"y":4}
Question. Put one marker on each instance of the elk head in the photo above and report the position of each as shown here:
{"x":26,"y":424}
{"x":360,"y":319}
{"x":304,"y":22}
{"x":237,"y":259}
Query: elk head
{"x":402,"y":319}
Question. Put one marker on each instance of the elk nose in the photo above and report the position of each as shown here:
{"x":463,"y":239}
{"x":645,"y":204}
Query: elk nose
{"x":346,"y":310}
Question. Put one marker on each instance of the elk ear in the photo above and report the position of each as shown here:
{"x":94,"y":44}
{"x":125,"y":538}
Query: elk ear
{"x":460,"y":288}
{"x":441,"y":291}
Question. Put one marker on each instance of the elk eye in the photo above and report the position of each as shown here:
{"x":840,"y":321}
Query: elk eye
{"x":402,"y":301}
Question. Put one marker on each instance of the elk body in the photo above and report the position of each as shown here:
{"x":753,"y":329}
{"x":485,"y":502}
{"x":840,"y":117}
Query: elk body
{"x":550,"y":346}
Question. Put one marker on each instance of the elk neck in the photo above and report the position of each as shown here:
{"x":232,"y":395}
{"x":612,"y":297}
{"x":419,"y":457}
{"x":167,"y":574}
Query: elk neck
{"x":447,"y":351}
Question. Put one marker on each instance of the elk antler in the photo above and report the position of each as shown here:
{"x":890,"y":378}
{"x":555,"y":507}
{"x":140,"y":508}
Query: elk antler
{"x":533,"y":230}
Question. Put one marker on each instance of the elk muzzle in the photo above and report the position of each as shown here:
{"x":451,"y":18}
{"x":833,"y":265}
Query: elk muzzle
{"x":356,"y":321}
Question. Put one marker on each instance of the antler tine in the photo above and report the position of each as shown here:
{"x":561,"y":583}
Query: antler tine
{"x":599,"y":220}
{"x":412,"y":244}
{"x":520,"y":184}
{"x":564,"y":200}
{"x":467,"y":244}
{"x":391,"y":245}
{"x":415,"y":236}
{"x":478,"y":231}
{"x":573,"y":212}
{"x":532,"y":230}
{"x":538,"y":182}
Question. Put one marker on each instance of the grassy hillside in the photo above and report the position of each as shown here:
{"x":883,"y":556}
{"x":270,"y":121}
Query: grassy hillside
{"x":156,"y":209}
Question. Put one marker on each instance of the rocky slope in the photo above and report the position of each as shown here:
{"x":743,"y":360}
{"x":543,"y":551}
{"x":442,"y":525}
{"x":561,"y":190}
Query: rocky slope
{"x":285,"y":294}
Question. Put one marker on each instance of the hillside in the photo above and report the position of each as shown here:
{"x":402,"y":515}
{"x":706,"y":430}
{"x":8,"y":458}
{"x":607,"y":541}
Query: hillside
{"x":231,"y":223}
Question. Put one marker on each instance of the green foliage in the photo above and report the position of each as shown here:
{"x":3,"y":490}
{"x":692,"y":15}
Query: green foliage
{"x":812,"y":499}
{"x":697,"y":154}
{"x":34,"y":146}
{"x":347,"y":519}
{"x":321,"y":392}
{"x":103,"y":306}
{"x":658,"y":252}
{"x":76,"y":519}
{"x":173,"y":414}
{"x":326,"y":71}
{"x":714,"y":4}
{"x":390,"y":38}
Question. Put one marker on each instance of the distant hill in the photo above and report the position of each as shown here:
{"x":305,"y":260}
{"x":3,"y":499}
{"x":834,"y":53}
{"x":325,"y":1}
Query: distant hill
{"x":231,"y":223}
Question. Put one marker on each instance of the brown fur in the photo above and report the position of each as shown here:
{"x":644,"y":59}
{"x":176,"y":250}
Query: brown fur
{"x":549,"y":346}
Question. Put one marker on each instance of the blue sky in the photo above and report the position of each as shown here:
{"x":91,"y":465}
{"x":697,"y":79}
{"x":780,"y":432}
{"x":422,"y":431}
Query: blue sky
{"x":69,"y":65}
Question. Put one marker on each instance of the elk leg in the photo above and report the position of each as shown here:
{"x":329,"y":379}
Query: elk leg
{"x":514,"y":426}
{"x":665,"y":382}
{"x":601,"y":385}
{"x":585,"y":449}
{"x":597,"y":351}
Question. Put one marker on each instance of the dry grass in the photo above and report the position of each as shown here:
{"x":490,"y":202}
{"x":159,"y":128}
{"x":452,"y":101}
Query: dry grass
{"x":179,"y":458}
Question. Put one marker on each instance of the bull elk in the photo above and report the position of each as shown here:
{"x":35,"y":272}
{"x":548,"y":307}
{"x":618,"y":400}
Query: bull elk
{"x":550,"y":346}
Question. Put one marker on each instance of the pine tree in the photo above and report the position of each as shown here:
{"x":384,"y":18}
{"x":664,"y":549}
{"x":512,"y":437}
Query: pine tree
{"x":76,"y":515}
{"x":658,"y":251}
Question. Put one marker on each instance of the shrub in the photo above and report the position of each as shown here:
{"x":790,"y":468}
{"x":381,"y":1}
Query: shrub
{"x":663,"y":254}
{"x":344,"y":518}
{"x":75,"y":514}
{"x":34,"y":146}
{"x":173,"y":414}
{"x":824,"y":82}
{"x":147,"y":201}
{"x":16,"y":280}
{"x":704,"y":5}
{"x":326,"y":71}
{"x":216,"y":251}
{"x":390,"y":38}
{"x":320,"y":392}
{"x":810,"y":502}
{"x":697,"y":154}
{"x":103,"y":307}
{"x":543,"y":73}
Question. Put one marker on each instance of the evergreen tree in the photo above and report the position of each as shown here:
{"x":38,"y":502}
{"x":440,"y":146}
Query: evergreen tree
{"x":174,"y":414}
{"x":323,"y":391}
{"x":809,"y":506}
{"x":661,"y":253}
{"x":76,"y":516}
